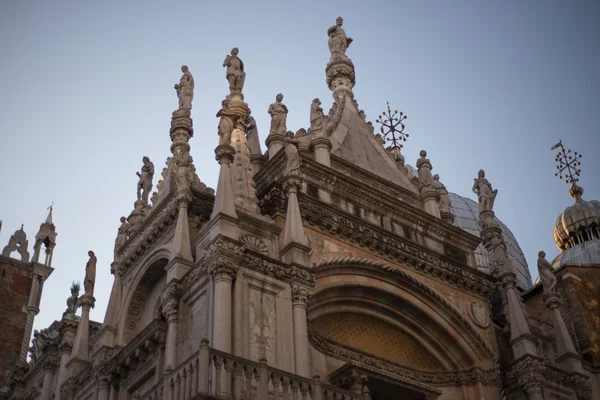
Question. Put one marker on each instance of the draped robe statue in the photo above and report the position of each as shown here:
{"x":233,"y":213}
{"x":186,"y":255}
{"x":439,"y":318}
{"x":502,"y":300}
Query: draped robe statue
{"x":90,"y":274}
{"x":292,"y":154}
{"x":546,"y":273}
{"x":235,"y":74}
{"x":185,"y":89}
{"x":338,"y":41}
{"x":316,"y":118}
{"x":483,"y":188}
{"x":424,"y":169}
{"x":278,"y":112}
{"x":443,"y":192}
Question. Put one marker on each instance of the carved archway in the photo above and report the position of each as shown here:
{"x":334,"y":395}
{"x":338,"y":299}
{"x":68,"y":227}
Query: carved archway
{"x":142,"y":295}
{"x":351,"y":291}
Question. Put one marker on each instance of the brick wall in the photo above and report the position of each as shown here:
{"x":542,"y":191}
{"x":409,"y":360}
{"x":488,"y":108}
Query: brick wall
{"x":14,"y":293}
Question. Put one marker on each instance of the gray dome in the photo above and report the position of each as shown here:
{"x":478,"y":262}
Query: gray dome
{"x":465,"y":213}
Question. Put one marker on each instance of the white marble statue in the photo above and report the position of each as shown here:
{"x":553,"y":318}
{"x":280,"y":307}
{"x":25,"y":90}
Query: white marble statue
{"x":90,"y":274}
{"x":235,"y":71}
{"x":338,"y":41}
{"x":483,"y":188}
{"x":443,"y":192}
{"x":546,"y":273}
{"x":122,"y":235}
{"x":252,"y":137}
{"x":185,"y":89}
{"x":278,"y":112}
{"x":424,"y":167}
{"x":145,"y":183}
{"x":316,"y":118}
{"x":292,"y":154}
{"x":225,"y":123}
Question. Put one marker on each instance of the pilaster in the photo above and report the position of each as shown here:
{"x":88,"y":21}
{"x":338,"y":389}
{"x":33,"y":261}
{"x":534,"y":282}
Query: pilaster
{"x":321,"y":147}
{"x":169,"y":300}
{"x":300,"y":298}
{"x":223,"y":272}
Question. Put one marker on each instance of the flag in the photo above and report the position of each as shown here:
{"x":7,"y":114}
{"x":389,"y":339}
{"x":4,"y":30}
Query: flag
{"x":557,"y":145}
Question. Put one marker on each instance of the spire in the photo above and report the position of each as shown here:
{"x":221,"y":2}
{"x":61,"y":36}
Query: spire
{"x":46,"y":236}
{"x":48,"y":220}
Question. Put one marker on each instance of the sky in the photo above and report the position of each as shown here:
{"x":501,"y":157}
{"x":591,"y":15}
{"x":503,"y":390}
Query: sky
{"x":86,"y":90}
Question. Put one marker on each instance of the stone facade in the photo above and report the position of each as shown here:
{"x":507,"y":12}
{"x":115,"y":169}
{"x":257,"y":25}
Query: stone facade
{"x":323,"y":269}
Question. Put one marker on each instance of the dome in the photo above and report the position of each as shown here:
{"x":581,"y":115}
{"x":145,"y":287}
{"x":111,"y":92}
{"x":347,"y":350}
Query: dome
{"x":581,"y":255}
{"x":578,"y":223}
{"x":466,"y":213}
{"x":466,"y":217}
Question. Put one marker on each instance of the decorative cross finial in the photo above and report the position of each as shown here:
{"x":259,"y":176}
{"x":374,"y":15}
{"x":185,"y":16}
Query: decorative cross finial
{"x":392,"y":127}
{"x":567,"y":163}
{"x":51,"y":207}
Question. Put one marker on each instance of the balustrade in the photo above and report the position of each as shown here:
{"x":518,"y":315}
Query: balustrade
{"x":211,"y":373}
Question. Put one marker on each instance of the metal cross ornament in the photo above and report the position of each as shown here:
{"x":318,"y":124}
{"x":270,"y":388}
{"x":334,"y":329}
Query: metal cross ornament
{"x":568,"y":163}
{"x":392,"y":127}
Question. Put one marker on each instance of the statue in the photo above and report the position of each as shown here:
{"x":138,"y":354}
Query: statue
{"x":546,"y":273}
{"x":122,"y":235}
{"x":316,"y":118}
{"x":185,"y":89}
{"x":252,"y":137}
{"x":226,"y":123}
{"x":338,"y":41}
{"x":483,"y":188}
{"x":235,"y":71}
{"x":90,"y":274}
{"x":443,"y":192}
{"x":292,"y":154}
{"x":39,"y":342}
{"x":72,"y":301}
{"x":145,"y":182}
{"x":424,"y":167}
{"x":278,"y":112}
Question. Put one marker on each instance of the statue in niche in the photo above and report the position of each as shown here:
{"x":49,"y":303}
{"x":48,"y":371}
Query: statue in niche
{"x":145,"y":183}
{"x":185,"y":89}
{"x":443,"y":192}
{"x":122,"y":235}
{"x":338,"y":41}
{"x":17,"y":242}
{"x":546,"y":273}
{"x":90,"y":274}
{"x":483,"y":188}
{"x":72,"y":301}
{"x":292,"y":167}
{"x":278,"y":112}
{"x":252,"y":137}
{"x":316,"y":118}
{"x":226,"y":123}
{"x":424,"y":168}
{"x":235,"y":71}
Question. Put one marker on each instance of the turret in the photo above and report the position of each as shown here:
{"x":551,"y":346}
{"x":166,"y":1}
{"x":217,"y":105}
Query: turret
{"x":46,"y":236}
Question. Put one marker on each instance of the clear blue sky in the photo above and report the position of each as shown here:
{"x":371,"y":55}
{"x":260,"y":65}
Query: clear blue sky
{"x":86,"y":90}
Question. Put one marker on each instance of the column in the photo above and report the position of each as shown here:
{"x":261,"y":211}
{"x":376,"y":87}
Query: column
{"x":114,"y":391}
{"x":566,"y":354}
{"x":170,"y":311}
{"x":80,"y":353}
{"x":321,"y":146}
{"x":49,"y":369}
{"x":300,"y":296}
{"x":431,"y":203}
{"x":65,"y":356}
{"x":32,"y":310}
{"x":103,"y":387}
{"x":531,"y":383}
{"x":275,"y":142}
{"x":223,"y":272}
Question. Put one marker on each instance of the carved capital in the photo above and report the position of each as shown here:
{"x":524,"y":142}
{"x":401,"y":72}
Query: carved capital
{"x":340,"y":74}
{"x":224,"y":154}
{"x":291,"y":184}
{"x":169,"y":300}
{"x":300,"y":295}
{"x":530,"y":382}
{"x":224,"y":269}
{"x":170,"y":309}
{"x":551,"y":300}
{"x":322,"y":141}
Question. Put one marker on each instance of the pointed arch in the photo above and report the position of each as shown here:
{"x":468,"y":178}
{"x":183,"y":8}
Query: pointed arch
{"x":379,"y":291}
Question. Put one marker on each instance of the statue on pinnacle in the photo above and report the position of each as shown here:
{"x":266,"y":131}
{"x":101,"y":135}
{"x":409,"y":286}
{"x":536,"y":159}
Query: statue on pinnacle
{"x":483,"y":189}
{"x":235,"y":74}
{"x":145,"y":183}
{"x":185,"y":89}
{"x":338,"y":41}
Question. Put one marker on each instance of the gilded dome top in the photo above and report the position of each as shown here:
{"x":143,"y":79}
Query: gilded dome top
{"x":579,"y":223}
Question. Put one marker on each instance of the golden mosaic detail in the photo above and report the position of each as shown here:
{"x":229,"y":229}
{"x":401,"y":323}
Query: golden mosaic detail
{"x":379,"y":338}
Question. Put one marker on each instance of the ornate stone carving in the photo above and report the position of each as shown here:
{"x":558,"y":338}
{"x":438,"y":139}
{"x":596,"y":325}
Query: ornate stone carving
{"x":278,"y":112}
{"x":443,"y":192}
{"x":338,"y":41}
{"x":300,"y":295}
{"x":292,"y":155}
{"x":72,"y":301}
{"x":263,"y":337}
{"x":235,"y":74}
{"x":17,"y":242}
{"x":185,"y":89}
{"x":254,"y":243}
{"x":479,"y":315}
{"x":226,"y":123}
{"x":223,"y":267}
{"x":546,"y":273}
{"x":316,"y":118}
{"x":90,"y":274}
{"x":483,"y":188}
{"x":144,"y":185}
{"x":122,"y":235}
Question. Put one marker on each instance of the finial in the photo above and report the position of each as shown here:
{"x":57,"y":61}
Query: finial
{"x":51,"y":207}
{"x":567,"y":166}
{"x":392,"y":127}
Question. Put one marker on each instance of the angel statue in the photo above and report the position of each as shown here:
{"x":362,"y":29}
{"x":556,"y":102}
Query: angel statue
{"x":338,"y":41}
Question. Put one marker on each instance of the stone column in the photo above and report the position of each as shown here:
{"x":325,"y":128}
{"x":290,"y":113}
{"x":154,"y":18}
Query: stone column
{"x":32,"y":310}
{"x":114,"y":391}
{"x":170,"y":308}
{"x":224,"y":197}
{"x":223,"y":272}
{"x":300,"y":297}
{"x":103,"y":387}
{"x":431,"y":203}
{"x":566,"y":354}
{"x":531,"y":383}
{"x":275,"y":142}
{"x":49,"y":368}
{"x":80,"y":356}
{"x":65,"y":356}
{"x":321,"y":146}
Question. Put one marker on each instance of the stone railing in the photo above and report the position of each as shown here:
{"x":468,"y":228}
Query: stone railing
{"x":210,"y":373}
{"x":154,"y":393}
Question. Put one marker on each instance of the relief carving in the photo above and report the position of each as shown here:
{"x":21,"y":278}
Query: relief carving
{"x":263,"y":339}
